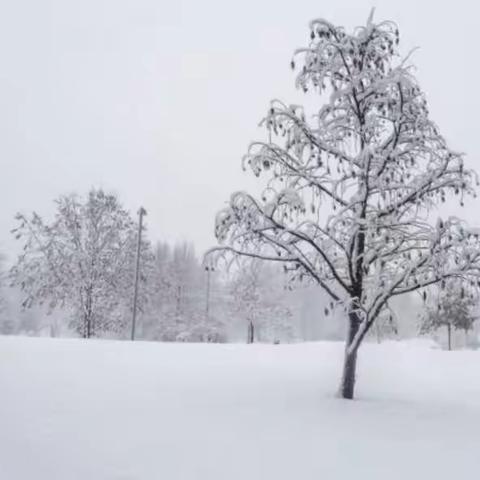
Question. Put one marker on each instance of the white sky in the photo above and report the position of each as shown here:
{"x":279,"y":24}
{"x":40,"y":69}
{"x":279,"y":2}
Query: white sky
{"x":158,"y":100}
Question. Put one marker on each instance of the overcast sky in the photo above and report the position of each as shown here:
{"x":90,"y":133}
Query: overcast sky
{"x":157,"y":100}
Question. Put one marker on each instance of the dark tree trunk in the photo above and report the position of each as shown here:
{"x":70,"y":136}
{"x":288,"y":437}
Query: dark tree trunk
{"x":250,"y":332}
{"x":87,"y":326}
{"x":347,"y":388}
{"x":347,"y":385}
{"x":87,"y":315}
{"x":449,"y":330}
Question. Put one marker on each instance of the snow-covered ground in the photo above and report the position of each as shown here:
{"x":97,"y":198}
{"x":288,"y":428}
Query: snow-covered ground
{"x":72,"y":409}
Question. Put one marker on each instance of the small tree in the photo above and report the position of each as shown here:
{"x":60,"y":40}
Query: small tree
{"x":349,"y":191}
{"x":245,"y":288}
{"x":452,"y":307}
{"x":177,"y":310}
{"x":259,"y":298}
{"x":83,"y":261}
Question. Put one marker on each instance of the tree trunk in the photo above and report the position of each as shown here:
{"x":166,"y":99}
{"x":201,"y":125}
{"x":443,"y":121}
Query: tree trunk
{"x":87,"y":316}
{"x":250,"y":332}
{"x":449,"y":330}
{"x":347,"y":385}
{"x":87,"y":326}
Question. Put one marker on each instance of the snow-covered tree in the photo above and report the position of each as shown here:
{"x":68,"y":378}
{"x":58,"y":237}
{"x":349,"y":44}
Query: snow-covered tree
{"x":83,"y":262}
{"x":350,"y":189}
{"x":177,"y":309}
{"x":186,"y":279}
{"x":453,"y":306}
{"x":245,"y":292}
{"x":258,"y":298}
{"x":385,"y":326}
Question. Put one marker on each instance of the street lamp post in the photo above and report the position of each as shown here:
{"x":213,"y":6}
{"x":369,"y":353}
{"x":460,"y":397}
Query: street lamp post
{"x":141,"y":213}
{"x":207,"y":303}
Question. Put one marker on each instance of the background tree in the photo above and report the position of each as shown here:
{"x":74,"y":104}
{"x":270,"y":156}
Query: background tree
{"x":349,"y":189}
{"x":385,"y":326}
{"x":245,"y":288}
{"x":453,"y":307}
{"x":83,"y":261}
{"x":177,"y":310}
{"x":259,"y":299}
{"x":7,"y":324}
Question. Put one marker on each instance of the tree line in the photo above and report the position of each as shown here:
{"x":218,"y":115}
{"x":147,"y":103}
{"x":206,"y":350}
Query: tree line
{"x":79,"y":268}
{"x":75,"y":276}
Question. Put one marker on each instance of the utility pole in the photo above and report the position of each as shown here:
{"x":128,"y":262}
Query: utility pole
{"x":141,"y":214}
{"x":207,"y":303}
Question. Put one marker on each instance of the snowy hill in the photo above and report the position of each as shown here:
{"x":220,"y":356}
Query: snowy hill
{"x":74,"y":410}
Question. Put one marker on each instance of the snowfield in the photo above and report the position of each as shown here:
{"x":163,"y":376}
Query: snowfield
{"x":73,"y":409}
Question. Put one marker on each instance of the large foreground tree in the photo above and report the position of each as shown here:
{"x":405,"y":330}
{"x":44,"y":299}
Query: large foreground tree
{"x":350,"y":189}
{"x":82,"y":262}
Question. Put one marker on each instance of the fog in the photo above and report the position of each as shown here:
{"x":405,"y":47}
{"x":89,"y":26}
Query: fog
{"x":157,"y":101}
